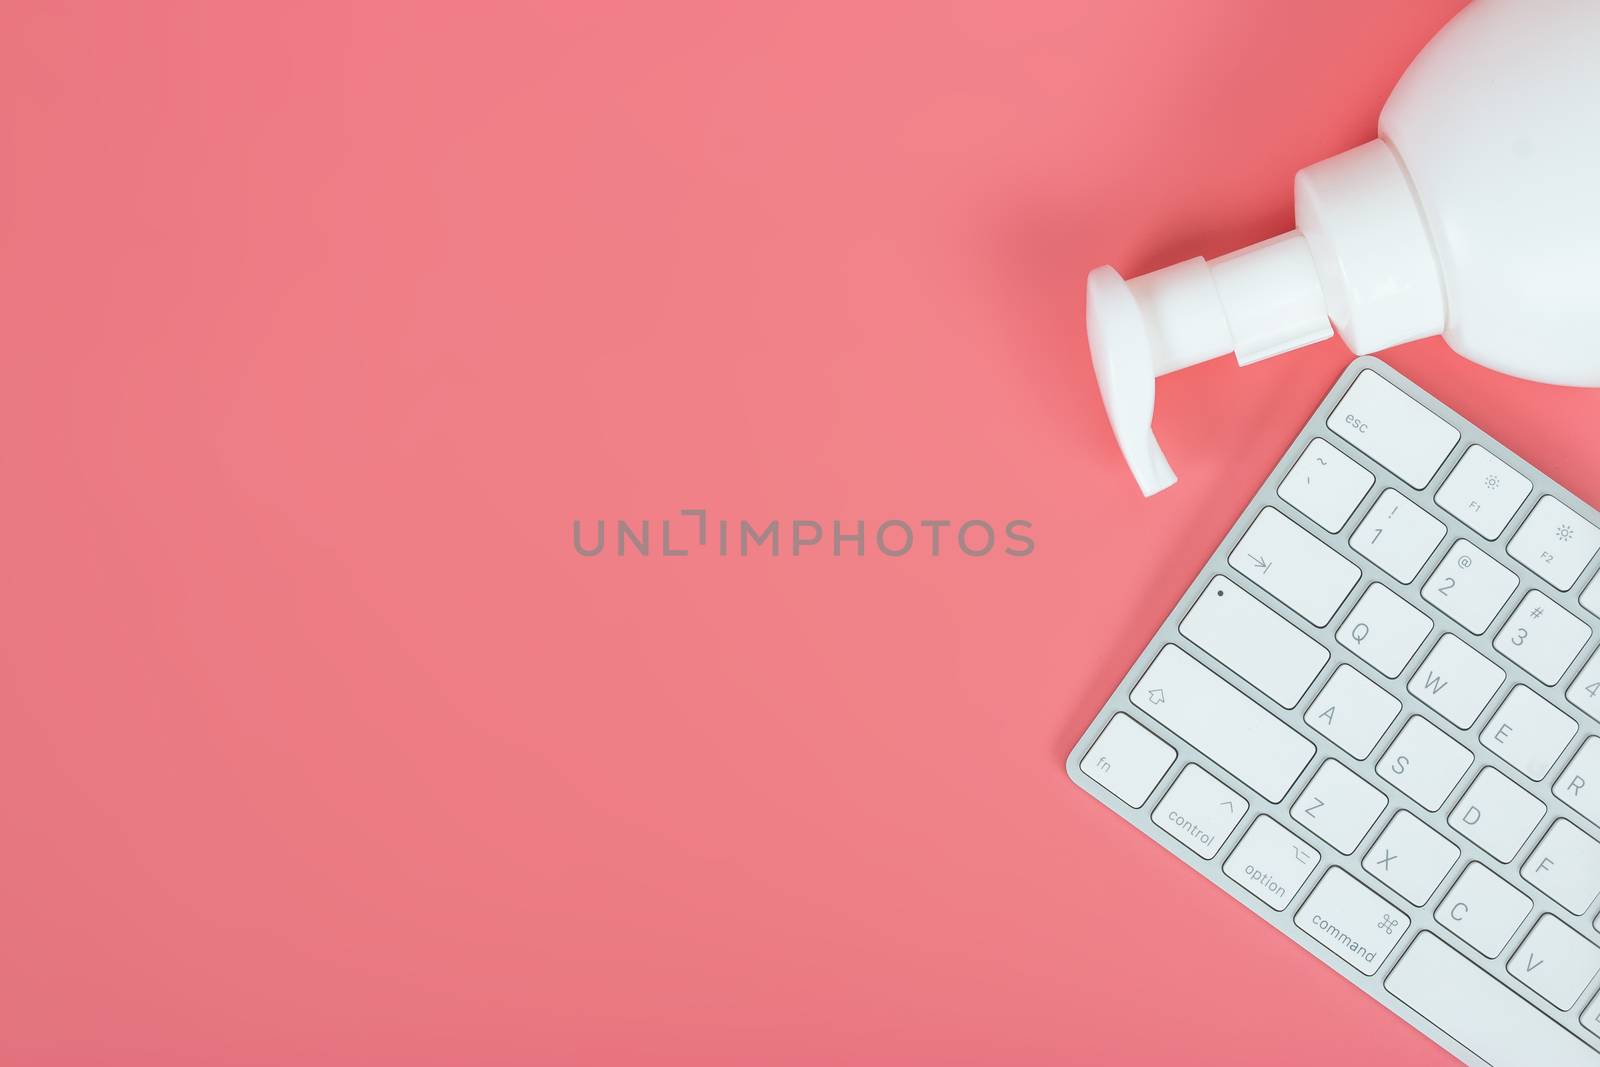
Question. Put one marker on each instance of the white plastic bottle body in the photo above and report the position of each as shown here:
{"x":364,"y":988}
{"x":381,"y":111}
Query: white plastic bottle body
{"x":1497,"y":124}
{"x":1475,"y":214}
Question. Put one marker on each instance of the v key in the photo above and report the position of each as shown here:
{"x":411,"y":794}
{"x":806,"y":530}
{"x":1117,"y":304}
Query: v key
{"x":1556,"y":962}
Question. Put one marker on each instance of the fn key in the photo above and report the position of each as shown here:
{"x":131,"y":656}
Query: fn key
{"x":1128,"y":760}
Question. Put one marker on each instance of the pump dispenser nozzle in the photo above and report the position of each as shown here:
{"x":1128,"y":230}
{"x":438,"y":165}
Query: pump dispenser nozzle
{"x":1361,"y":258}
{"x":1256,"y":303}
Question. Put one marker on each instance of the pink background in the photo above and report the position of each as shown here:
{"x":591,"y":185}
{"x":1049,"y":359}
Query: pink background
{"x":321,"y":323}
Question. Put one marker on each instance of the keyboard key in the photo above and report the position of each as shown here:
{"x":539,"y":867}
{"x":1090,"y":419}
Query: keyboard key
{"x":1555,"y":962}
{"x":1456,"y":681}
{"x":1528,"y":732}
{"x":1352,"y":711}
{"x":1411,"y":858}
{"x":1384,"y":630}
{"x":1591,"y":596}
{"x":1439,"y":984}
{"x":1243,"y":738}
{"x":1393,"y":429}
{"x":1305,"y":574}
{"x":1579,"y":784}
{"x":1585,"y":691}
{"x":1555,"y":542}
{"x":1354,"y":923}
{"x":1586,"y":688}
{"x":1470,"y":586}
{"x":1483,"y":909}
{"x":1200,"y":811}
{"x":1542,"y":637}
{"x":1424,"y":763}
{"x":1398,"y":536}
{"x":1483,"y":492}
{"x":1271,"y":862}
{"x":1566,"y":865}
{"x":1339,"y":806}
{"x":1128,"y":760}
{"x":1254,"y":642}
{"x":1325,"y":485}
{"x":1498,"y":814}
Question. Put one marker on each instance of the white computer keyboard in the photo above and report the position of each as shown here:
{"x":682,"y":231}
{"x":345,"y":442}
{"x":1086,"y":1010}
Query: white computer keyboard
{"x":1375,"y":720}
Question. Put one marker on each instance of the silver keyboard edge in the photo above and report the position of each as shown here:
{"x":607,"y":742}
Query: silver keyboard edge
{"x":1422,"y":918}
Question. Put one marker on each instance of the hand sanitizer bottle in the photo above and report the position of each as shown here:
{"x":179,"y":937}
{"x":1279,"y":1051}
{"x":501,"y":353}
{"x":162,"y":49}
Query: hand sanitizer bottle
{"x":1475,"y":214}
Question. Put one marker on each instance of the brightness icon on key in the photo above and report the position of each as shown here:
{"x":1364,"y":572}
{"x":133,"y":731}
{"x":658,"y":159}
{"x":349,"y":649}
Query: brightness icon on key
{"x":1563,"y":533}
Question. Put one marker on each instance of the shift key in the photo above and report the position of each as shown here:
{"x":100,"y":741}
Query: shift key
{"x":1244,"y":739}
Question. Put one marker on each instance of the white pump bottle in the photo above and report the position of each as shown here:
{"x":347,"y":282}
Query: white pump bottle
{"x":1475,"y":214}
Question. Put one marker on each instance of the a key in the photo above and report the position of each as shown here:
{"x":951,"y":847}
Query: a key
{"x":1398,"y":536}
{"x":1483,"y":492}
{"x":1542,"y":637}
{"x":1384,"y":630}
{"x":1555,"y":542}
{"x":1338,"y":806}
{"x":1566,"y":865}
{"x":1424,"y":763}
{"x":1483,"y":909}
{"x":1591,"y":596}
{"x":1352,"y":712}
{"x":1555,"y":962}
{"x":1305,"y":574}
{"x":1325,"y":485}
{"x":1442,"y":986}
{"x":1354,"y":923}
{"x":1457,"y":681}
{"x":1128,"y":760}
{"x":1387,"y":425}
{"x":1410,"y":858}
{"x":1497,"y":813}
{"x":1271,"y":862}
{"x":1528,"y":732}
{"x":1579,"y":784}
{"x":1469,"y":586}
{"x":1243,"y":738}
{"x":1253,"y":641}
{"x":1585,"y":690}
{"x":1199,"y":811}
